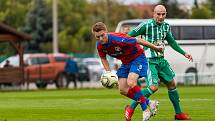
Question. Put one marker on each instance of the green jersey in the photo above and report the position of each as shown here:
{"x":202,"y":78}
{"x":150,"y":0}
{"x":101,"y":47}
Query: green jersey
{"x":156,"y":34}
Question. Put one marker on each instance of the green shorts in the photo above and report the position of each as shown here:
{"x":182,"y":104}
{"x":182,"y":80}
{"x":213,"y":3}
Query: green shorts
{"x":160,"y":71}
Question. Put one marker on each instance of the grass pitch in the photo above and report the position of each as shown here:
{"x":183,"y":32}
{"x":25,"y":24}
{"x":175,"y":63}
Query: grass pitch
{"x":99,"y":105}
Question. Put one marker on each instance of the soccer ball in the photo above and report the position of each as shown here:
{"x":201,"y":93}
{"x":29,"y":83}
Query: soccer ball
{"x":109,"y":80}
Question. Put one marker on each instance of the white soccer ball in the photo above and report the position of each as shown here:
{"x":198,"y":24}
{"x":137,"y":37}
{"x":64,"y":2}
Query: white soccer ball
{"x":109,"y":80}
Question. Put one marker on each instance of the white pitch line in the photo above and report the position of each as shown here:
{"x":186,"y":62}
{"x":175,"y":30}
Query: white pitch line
{"x":194,"y":99}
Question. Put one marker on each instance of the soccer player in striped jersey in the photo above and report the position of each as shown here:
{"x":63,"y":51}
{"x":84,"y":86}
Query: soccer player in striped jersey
{"x":156,"y":31}
{"x":134,"y":63}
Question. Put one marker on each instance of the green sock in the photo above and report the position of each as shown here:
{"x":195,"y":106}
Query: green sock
{"x":174,"y":97}
{"x":146,"y":92}
{"x":139,"y":83}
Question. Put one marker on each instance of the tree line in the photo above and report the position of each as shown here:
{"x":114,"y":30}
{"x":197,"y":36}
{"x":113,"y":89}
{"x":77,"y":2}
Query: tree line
{"x":75,"y":18}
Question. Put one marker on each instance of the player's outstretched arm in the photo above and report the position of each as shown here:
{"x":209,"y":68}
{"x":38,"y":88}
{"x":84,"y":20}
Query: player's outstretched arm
{"x":148,"y":44}
{"x":171,"y":41}
{"x":105,"y":64}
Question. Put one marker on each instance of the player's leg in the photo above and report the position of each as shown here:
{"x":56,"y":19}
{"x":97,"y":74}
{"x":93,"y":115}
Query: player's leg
{"x":152,"y":81}
{"x":140,"y":67}
{"x":128,"y":88}
{"x":136,"y":93}
{"x":137,"y":68}
{"x":167,"y":76}
{"x":174,"y":97}
{"x":124,"y":86}
{"x":129,"y":109}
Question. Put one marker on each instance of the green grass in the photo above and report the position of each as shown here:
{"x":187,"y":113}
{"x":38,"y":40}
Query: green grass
{"x":99,"y":105}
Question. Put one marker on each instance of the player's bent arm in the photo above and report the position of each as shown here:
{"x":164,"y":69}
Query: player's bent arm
{"x":177,"y":48}
{"x":139,"y":30}
{"x":133,"y":33}
{"x":148,"y":44}
{"x":105,"y":63}
{"x":173,"y":44}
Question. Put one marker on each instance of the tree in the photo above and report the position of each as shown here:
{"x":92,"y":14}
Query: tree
{"x":200,"y":13}
{"x":196,"y":3}
{"x":173,"y":11}
{"x":14,"y":12}
{"x":6,"y":50}
{"x":210,"y":4}
{"x":77,"y":16}
{"x":72,"y":18}
{"x":39,"y":25}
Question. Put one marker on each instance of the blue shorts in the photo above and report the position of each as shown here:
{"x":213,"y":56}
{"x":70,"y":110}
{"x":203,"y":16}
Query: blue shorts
{"x":138,"y":66}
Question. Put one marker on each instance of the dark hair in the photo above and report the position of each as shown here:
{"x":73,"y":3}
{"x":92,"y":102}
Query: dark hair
{"x":126,"y":26}
{"x":99,"y":26}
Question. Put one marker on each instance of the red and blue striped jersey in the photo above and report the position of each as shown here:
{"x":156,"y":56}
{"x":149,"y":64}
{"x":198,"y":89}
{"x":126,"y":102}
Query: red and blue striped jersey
{"x":120,"y":46}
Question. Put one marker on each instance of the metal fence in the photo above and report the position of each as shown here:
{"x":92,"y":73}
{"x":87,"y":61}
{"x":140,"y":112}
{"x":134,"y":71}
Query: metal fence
{"x":196,"y":79}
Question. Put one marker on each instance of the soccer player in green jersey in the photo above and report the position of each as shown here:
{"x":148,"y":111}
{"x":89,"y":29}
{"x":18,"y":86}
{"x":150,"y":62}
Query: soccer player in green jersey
{"x":156,"y":31}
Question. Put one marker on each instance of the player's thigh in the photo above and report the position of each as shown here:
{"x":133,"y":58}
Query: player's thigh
{"x":152,"y":75}
{"x":123,"y":86}
{"x":139,"y":66}
{"x":122,"y":74}
{"x":123,"y":71}
{"x":166,"y":73}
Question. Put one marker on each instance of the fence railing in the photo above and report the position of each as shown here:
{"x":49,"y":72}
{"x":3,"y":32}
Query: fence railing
{"x":195,"y":79}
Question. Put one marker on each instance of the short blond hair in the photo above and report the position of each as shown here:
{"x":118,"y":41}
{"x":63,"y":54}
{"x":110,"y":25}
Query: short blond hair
{"x":99,"y":26}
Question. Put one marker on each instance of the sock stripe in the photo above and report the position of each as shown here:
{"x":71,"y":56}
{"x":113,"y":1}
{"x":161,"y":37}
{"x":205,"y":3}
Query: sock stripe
{"x":132,"y":91}
{"x":150,"y":91}
{"x":172,"y":90}
{"x":135,"y":93}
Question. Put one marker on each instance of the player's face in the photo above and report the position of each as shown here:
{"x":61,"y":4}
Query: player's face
{"x":159,"y":16}
{"x":126,"y":30}
{"x":101,"y":36}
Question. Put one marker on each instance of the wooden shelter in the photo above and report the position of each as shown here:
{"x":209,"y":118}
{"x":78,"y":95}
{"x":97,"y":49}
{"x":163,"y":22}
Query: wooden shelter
{"x":11,"y":35}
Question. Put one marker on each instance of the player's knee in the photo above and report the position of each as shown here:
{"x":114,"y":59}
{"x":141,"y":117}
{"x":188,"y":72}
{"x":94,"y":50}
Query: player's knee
{"x":131,"y":83}
{"x":154,"y":88}
{"x":122,"y":92}
{"x":171,"y":85}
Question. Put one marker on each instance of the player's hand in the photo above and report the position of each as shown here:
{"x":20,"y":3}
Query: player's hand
{"x":160,"y":48}
{"x":189,"y":56}
{"x":109,"y":73}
